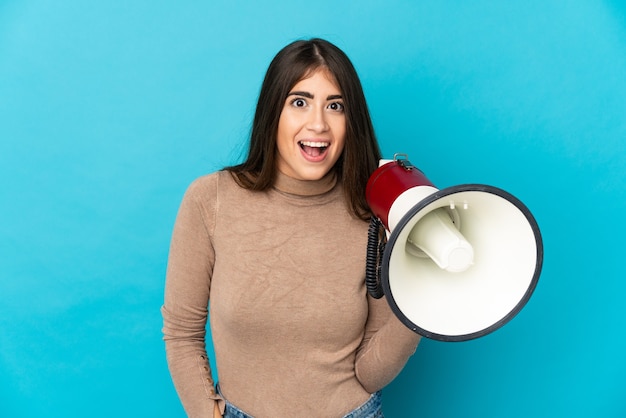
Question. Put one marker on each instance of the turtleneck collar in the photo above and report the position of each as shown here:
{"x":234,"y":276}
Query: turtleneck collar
{"x":297,"y":187}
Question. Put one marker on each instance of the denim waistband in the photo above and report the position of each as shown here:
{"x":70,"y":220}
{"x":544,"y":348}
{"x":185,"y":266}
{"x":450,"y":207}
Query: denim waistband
{"x":231,"y":411}
{"x":372,"y":408}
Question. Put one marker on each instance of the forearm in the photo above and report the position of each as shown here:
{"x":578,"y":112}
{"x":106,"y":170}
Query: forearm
{"x":189,"y":367}
{"x":384,"y":354}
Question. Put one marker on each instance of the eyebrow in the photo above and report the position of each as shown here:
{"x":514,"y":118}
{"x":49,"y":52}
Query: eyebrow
{"x":311,"y":96}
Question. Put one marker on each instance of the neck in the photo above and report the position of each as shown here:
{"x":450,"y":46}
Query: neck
{"x":294,"y":186}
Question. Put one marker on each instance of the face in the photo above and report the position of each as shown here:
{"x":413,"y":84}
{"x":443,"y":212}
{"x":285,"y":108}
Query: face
{"x":311,"y":128}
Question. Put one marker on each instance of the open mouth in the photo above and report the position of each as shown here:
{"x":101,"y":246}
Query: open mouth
{"x":314,"y":148}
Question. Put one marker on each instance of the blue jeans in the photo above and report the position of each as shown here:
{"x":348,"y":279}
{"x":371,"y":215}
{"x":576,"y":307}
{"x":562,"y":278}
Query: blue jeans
{"x":372,"y":408}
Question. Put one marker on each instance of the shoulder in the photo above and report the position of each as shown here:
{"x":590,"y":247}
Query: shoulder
{"x":202,"y":199}
{"x":208,"y":185}
{"x":213,"y":191}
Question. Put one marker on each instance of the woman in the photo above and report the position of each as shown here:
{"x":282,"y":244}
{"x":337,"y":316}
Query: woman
{"x":278,"y":245}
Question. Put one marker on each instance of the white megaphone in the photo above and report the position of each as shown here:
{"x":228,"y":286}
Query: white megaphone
{"x":454,"y":264}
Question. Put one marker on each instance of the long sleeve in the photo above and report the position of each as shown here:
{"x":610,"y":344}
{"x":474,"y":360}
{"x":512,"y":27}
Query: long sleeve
{"x":386,"y":347}
{"x":184,"y":311}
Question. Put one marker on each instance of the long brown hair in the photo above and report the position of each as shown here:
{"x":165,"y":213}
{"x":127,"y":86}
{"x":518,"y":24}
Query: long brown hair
{"x":361,"y":151}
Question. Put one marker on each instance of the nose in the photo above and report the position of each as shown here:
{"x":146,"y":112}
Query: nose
{"x":317,"y":120}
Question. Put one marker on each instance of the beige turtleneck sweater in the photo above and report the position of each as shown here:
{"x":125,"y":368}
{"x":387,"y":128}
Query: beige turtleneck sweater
{"x":294,"y":332}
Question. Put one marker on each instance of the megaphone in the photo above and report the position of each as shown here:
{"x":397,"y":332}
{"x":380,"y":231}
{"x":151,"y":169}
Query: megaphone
{"x":454,"y":264}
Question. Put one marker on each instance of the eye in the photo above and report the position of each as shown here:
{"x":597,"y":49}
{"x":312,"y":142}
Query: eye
{"x":298,"y":102}
{"x":336,"y":106}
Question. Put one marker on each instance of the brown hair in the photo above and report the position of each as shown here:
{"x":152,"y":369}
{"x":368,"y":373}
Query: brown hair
{"x":361,"y":151}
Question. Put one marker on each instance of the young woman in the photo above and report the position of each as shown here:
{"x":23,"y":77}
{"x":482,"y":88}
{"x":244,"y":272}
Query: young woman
{"x":277,"y":244}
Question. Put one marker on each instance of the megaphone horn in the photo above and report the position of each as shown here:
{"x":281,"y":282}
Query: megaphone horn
{"x":454,"y":264}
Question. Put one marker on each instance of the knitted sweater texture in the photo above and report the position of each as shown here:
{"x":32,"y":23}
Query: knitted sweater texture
{"x":280,"y":275}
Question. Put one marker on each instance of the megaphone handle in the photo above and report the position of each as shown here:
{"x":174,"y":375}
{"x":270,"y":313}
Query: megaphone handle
{"x":375,"y":249}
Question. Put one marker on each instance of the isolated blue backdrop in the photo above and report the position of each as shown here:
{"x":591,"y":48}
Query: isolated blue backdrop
{"x":109,"y":109}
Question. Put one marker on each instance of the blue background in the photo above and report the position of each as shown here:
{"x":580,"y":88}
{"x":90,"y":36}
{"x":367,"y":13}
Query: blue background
{"x":109,"y":109}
